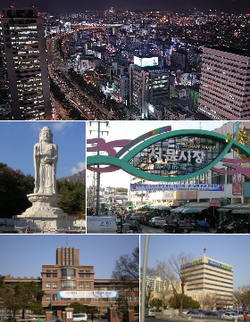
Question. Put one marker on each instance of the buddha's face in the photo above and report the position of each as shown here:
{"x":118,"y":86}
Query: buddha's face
{"x":46,"y":136}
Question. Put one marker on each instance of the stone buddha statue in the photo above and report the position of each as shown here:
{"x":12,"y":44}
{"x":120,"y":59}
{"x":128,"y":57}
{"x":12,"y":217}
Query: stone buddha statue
{"x":45,"y":162}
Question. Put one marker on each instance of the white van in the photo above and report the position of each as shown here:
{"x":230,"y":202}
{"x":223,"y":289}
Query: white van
{"x":101,"y":225}
{"x":150,"y":313}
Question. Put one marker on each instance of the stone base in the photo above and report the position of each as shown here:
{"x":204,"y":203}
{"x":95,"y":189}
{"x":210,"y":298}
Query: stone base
{"x":44,"y":207}
{"x":44,"y":216}
{"x":45,"y":226}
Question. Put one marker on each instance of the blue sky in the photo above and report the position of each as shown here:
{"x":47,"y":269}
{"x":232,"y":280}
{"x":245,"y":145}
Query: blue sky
{"x":230,"y":249}
{"x":18,"y":140}
{"x":24,"y":255}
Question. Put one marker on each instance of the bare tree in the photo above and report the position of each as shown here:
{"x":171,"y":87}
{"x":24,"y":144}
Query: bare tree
{"x":173,"y":272}
{"x":150,"y":276}
{"x":127,"y":266}
{"x":242,"y":295}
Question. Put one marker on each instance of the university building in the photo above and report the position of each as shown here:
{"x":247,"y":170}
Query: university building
{"x":68,"y":275}
{"x":206,"y":275}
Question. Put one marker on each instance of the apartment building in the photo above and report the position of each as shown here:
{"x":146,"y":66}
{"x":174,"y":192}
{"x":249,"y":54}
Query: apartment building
{"x":225,"y":85}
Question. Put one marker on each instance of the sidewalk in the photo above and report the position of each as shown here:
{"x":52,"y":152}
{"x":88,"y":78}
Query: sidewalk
{"x":184,"y":317}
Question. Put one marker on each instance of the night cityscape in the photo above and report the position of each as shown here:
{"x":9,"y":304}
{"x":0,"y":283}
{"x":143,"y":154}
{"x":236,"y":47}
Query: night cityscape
{"x":125,"y":65}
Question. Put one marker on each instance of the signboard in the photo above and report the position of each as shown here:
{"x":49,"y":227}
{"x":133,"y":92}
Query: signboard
{"x":192,"y":264}
{"x":146,"y":61}
{"x":174,"y":187}
{"x":164,"y":155}
{"x":219,"y":265}
{"x":87,"y":294}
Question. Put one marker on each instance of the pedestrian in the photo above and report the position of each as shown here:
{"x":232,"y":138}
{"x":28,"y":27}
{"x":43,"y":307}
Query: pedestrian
{"x":245,"y":317}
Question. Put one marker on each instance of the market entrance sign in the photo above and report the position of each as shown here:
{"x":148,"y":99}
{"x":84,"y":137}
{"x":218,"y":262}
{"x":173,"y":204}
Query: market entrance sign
{"x":87,"y":294}
{"x":164,"y":155}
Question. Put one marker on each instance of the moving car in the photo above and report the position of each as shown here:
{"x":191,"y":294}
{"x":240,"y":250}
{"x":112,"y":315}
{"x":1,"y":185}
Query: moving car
{"x":150,"y":313}
{"x":156,"y":222}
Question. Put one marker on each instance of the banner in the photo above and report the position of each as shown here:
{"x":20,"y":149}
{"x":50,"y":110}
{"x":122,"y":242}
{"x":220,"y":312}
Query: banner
{"x":87,"y":294}
{"x":174,"y":187}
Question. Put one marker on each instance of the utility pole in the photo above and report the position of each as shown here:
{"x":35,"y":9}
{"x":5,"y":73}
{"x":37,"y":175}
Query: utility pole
{"x":98,"y":179}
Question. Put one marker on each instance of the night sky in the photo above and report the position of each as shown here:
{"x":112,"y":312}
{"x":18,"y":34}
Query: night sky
{"x":74,"y":6}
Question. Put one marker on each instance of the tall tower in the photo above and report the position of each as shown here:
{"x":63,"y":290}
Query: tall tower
{"x":25,"y":55}
{"x":225,"y":80}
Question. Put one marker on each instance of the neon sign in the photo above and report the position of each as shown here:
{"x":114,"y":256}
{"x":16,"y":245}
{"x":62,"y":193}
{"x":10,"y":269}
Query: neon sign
{"x":165,"y":155}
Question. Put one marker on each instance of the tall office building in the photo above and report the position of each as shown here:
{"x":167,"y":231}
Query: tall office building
{"x":148,"y":83}
{"x":25,"y":55}
{"x":225,"y":85}
{"x":209,"y":276}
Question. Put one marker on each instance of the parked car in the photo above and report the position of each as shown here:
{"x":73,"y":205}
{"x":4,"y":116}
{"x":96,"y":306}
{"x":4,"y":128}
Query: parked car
{"x":150,"y":313}
{"x":211,"y":313}
{"x":177,"y":226}
{"x":80,"y":317}
{"x":230,"y":316}
{"x":156,"y":222}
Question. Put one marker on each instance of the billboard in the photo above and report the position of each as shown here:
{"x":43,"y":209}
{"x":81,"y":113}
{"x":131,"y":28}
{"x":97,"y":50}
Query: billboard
{"x":174,"y":187}
{"x":87,"y":294}
{"x":146,"y":61}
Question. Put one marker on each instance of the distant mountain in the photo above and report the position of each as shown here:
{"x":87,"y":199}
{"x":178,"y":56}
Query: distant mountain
{"x":78,"y":177}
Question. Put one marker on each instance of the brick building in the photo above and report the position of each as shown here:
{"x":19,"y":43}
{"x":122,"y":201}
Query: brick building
{"x":68,"y":275}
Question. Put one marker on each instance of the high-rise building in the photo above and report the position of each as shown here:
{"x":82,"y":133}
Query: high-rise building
{"x":225,"y":85}
{"x":25,"y":54}
{"x":148,"y":83}
{"x":206,"y":275}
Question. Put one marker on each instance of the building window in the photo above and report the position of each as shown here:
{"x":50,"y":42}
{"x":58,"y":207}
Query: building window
{"x":105,"y":299}
{"x":1,"y":311}
{"x":104,"y":288}
{"x":54,"y":273}
{"x":68,"y":284}
{"x":47,"y":285}
{"x":81,"y":286}
{"x":87,"y":285}
{"x":113,"y":299}
{"x":96,"y":288}
{"x":136,"y":298}
{"x":48,"y":274}
{"x":54,"y":297}
{"x":47,"y":298}
{"x":88,"y":300}
{"x":72,"y":263}
{"x":68,"y":272}
{"x":87,"y":273}
{"x":129,"y":298}
{"x":112,"y":287}
{"x":54,"y":285}
{"x":105,"y":310}
{"x":81,"y":275}
{"x":97,"y":299}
